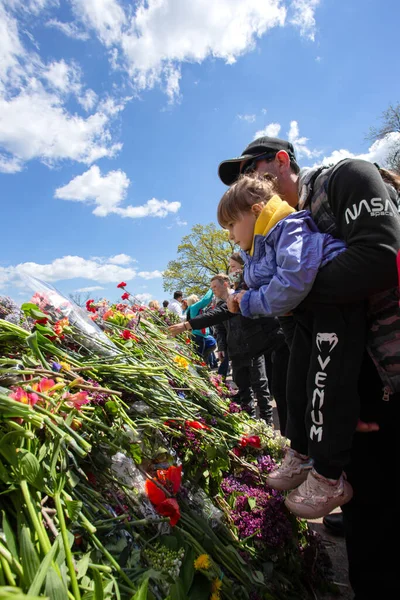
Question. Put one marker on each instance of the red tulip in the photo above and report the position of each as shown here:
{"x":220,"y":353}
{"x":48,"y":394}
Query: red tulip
{"x":169,"y":508}
{"x":251,"y":440}
{"x":171,"y":478}
{"x":196,"y":425}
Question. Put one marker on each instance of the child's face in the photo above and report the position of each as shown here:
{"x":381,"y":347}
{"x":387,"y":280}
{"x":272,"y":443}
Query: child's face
{"x":242,"y":230}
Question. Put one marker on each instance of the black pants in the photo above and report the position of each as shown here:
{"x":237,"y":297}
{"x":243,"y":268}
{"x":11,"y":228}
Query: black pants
{"x":276,"y":365}
{"x":252,"y":381}
{"x":324,"y":367}
{"x":371,"y":518}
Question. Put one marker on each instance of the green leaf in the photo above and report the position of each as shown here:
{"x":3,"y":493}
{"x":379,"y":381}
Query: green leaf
{"x":200,"y":589}
{"x":30,"y":470}
{"x":98,"y":585}
{"x":73,"y":507}
{"x":187,"y":569}
{"x":10,"y":538}
{"x":82,"y":565}
{"x":141,"y":594}
{"x":43,"y":569}
{"x":111,"y":407}
{"x":252,"y":502}
{"x":29,"y":557}
{"x":177,"y":590}
{"x":55,"y":588}
{"x":136,"y":453}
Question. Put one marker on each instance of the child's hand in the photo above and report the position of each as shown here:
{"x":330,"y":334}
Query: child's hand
{"x":239,"y":296}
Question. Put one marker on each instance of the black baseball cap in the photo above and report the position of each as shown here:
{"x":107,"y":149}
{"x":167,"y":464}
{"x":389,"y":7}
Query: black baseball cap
{"x":229,"y":170}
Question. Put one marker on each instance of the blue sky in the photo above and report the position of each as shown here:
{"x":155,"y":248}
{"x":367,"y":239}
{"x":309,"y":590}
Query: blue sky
{"x":115,"y":114}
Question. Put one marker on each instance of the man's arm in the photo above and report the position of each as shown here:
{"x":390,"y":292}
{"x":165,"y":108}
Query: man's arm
{"x":216,"y":315}
{"x":369,"y":223}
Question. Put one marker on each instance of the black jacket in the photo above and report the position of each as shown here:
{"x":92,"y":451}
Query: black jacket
{"x":252,"y":337}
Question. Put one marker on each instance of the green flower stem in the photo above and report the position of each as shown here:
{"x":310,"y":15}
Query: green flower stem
{"x":37,"y":525}
{"x":7,"y":571}
{"x":8,"y":561}
{"x":112,"y":560}
{"x":67,"y":549}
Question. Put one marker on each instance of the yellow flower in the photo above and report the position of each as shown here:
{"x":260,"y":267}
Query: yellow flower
{"x":181,"y":362}
{"x":216,"y":585}
{"x":202,"y":562}
{"x":215,"y":596}
{"x":65,"y":366}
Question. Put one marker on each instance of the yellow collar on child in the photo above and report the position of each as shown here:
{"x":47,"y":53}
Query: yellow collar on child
{"x":274,"y":211}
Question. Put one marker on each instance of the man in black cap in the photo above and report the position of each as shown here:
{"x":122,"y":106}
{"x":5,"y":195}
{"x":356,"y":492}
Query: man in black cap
{"x":351,"y":201}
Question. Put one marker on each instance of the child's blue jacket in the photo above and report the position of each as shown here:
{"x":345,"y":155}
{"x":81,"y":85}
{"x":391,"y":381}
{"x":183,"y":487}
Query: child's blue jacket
{"x":284,"y":265}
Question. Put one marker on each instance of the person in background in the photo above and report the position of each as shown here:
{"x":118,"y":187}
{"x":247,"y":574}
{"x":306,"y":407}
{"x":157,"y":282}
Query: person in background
{"x":154,"y":304}
{"x":175,"y":306}
{"x":165,"y":303}
{"x":276,"y":357}
{"x":245,"y":340}
{"x":205,"y":342}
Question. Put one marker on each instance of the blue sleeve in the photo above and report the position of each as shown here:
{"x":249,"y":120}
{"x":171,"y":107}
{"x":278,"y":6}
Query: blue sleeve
{"x":298,"y":253}
{"x":202,"y":303}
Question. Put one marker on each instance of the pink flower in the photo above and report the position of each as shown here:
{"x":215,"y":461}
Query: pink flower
{"x":77,"y":400}
{"x":20,"y":395}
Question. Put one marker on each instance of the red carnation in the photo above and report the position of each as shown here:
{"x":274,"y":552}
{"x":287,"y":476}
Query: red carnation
{"x":121,"y":285}
{"x":125,"y":296}
{"x":127,"y":335}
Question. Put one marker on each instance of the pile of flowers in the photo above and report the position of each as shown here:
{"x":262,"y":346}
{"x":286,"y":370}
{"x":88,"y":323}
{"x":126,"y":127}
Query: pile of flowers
{"x":127,"y":471}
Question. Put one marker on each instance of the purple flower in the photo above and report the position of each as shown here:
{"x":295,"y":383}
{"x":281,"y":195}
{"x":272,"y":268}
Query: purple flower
{"x":56,"y":367}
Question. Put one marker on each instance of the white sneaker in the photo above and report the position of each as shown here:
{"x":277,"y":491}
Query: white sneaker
{"x":318,"y":496}
{"x":291,"y":472}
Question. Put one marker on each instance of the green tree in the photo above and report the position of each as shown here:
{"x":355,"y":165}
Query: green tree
{"x":201,"y":254}
{"x":390,"y":122}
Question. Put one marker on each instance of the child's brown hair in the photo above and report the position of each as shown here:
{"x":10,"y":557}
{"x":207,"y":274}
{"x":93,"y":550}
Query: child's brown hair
{"x":240,"y":197}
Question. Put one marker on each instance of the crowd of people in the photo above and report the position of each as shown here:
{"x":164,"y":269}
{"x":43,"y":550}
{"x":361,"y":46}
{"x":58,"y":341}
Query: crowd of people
{"x":309,"y":314}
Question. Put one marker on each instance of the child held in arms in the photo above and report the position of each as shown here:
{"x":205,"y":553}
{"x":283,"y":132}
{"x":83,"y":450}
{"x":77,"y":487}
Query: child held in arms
{"x":283,"y":251}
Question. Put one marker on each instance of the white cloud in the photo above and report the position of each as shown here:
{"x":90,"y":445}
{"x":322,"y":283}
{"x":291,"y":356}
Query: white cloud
{"x":9,"y":164}
{"x":69,"y":29}
{"x":151,"y":41}
{"x":180,"y":223}
{"x":34,"y":120}
{"x":150,"y":274}
{"x":247,"y":118}
{"x":300,"y":143}
{"x":152,"y":208}
{"x":144,"y":298}
{"x":303,"y":12}
{"x":69,"y":267}
{"x":88,"y":100}
{"x":63,"y":77}
{"x":271,"y":130}
{"x":90,"y":288}
{"x":108,"y":192}
{"x":378,"y":152}
{"x":121,"y":259}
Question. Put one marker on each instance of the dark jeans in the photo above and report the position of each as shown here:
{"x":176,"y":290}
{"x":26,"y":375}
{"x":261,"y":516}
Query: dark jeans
{"x":201,"y":347}
{"x":252,"y":381}
{"x":371,"y":518}
{"x":324,"y":367}
{"x":224,"y":366}
{"x":276,"y":365}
